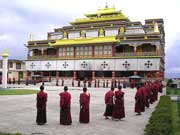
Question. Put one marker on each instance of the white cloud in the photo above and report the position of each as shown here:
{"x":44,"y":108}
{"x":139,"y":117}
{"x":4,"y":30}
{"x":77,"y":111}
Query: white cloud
{"x":4,"y":37}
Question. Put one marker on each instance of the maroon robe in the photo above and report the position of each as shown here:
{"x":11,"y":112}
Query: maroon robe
{"x":65,"y":108}
{"x":118,"y":109}
{"x":155,"y":92}
{"x":143,"y":98}
{"x":151,"y":96}
{"x":138,"y":101}
{"x":41,"y":107}
{"x":109,"y":103}
{"x":84,"y":108}
{"x":147,"y":89}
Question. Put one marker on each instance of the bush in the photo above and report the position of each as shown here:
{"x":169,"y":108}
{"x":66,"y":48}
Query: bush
{"x":160,"y":122}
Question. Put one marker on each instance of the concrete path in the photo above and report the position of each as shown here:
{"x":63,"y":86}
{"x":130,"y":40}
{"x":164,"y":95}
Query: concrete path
{"x":18,"y":114}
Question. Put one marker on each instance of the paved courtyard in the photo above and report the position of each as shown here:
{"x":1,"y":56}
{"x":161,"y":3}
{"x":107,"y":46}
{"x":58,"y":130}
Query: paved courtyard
{"x":18,"y":114}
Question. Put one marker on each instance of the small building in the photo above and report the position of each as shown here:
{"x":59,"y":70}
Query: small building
{"x":16,"y":69}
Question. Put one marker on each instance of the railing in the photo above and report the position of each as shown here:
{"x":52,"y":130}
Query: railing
{"x":42,"y":57}
{"x":138,"y":54}
{"x":124,"y":54}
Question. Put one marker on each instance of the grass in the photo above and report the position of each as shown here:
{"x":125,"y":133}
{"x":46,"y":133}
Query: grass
{"x":9,"y":134}
{"x":17,"y":92}
{"x":175,"y":119}
{"x":173,"y":91}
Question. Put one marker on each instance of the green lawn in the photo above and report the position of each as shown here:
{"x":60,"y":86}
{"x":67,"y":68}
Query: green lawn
{"x":17,"y":92}
{"x":175,"y":119}
{"x":9,"y":134}
{"x":173,"y":91}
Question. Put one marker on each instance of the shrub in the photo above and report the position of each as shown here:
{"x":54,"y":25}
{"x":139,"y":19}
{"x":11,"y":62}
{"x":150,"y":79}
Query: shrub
{"x":160,"y":122}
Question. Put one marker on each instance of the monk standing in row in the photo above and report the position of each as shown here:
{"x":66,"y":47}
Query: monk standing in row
{"x":138,"y":101}
{"x":65,"y":107}
{"x":118,"y":109}
{"x":109,"y":103}
{"x":84,"y":106}
{"x":41,"y":106}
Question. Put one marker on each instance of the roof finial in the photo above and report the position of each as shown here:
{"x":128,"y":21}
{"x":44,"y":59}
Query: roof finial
{"x":113,"y":5}
{"x":106,"y":5}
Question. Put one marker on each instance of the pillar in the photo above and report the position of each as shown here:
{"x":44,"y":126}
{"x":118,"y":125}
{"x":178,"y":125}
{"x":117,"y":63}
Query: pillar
{"x":113,"y":50}
{"x":27,"y":78}
{"x":93,"y":76}
{"x":113,"y":76}
{"x":5,"y":68}
{"x":42,"y":51}
{"x":49,"y":77}
{"x":42,"y":79}
{"x":74,"y":75}
{"x":74,"y":52}
{"x":135,"y":49}
{"x":57,"y":52}
{"x":93,"y":50}
{"x":57,"y":78}
{"x":157,"y":50}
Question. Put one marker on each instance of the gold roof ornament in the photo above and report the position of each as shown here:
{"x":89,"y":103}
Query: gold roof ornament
{"x":65,"y":35}
{"x":30,"y":37}
{"x":5,"y":53}
{"x":83,"y":34}
{"x":156,"y":28}
{"x":101,"y":32}
{"x":121,"y":30}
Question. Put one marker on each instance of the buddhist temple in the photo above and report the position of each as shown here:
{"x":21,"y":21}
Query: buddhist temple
{"x":102,"y":45}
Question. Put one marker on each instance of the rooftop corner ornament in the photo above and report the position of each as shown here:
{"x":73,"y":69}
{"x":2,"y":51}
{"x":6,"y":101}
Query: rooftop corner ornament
{"x":5,"y":53}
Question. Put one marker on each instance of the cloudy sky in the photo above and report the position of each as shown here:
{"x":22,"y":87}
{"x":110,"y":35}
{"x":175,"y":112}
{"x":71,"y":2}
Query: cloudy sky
{"x":19,"y":18}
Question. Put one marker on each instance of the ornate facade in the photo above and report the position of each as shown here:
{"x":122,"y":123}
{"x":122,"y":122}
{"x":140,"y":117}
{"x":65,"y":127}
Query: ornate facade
{"x":105,"y":44}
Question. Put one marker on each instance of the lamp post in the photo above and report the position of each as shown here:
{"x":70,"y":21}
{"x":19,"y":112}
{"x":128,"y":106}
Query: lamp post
{"x":5,"y":68}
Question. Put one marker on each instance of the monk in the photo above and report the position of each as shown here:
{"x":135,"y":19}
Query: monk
{"x":118,"y":109}
{"x":147,"y":89}
{"x":109,"y":103}
{"x":84,"y":106}
{"x":41,"y":106}
{"x":65,"y":107}
{"x":138,"y":101}
{"x":143,"y":100}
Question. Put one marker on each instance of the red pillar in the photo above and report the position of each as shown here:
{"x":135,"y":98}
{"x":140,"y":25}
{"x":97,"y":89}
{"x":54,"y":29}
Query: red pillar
{"x":74,"y":51}
{"x":113,"y":50}
{"x":57,"y":78}
{"x":42,"y":80}
{"x":113,"y":76}
{"x":74,"y":75}
{"x":57,"y":52}
{"x":93,"y":51}
{"x":93,"y":76}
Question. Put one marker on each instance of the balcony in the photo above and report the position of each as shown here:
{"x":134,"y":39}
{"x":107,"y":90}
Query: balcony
{"x":124,"y":54}
{"x":37,"y":57}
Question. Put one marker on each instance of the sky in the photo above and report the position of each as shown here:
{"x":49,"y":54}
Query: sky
{"x":19,"y":18}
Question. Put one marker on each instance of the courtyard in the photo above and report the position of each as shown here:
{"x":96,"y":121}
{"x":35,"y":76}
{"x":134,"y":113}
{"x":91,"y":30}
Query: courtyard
{"x":18,"y":114}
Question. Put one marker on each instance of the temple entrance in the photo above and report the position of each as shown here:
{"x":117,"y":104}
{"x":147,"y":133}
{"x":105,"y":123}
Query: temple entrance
{"x":104,"y":74}
{"x":82,"y":75}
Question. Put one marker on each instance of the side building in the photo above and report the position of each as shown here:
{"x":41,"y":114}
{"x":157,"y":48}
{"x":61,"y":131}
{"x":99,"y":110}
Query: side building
{"x":104,"y":45}
{"x":16,"y":70}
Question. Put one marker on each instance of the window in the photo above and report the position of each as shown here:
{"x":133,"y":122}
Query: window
{"x":10,"y":64}
{"x":103,"y":50}
{"x":18,"y":65}
{"x":84,"y":51}
{"x":66,"y":52}
{"x":20,"y":74}
{"x":0,"y":64}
